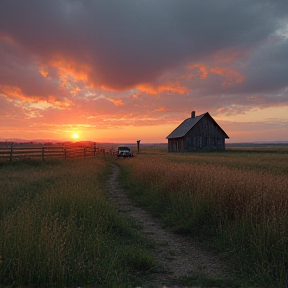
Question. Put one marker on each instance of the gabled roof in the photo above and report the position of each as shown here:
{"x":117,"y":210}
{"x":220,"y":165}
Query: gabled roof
{"x":187,"y":125}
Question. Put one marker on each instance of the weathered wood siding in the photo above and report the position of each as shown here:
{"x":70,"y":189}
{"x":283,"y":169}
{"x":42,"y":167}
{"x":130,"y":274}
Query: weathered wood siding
{"x":176,"y":145}
{"x":206,"y":135}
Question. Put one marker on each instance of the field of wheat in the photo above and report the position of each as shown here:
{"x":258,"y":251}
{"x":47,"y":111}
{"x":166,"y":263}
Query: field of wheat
{"x":234,"y":201}
{"x":57,"y":228}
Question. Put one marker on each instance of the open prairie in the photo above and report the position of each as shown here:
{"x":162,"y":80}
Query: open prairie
{"x":59,"y":228}
{"x":236,"y":202}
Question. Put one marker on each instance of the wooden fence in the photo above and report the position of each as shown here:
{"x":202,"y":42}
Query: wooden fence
{"x":15,"y":153}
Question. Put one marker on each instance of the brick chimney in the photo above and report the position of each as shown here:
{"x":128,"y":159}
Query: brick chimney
{"x":193,"y":114}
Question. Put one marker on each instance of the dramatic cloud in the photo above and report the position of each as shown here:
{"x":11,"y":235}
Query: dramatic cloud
{"x":107,"y":63}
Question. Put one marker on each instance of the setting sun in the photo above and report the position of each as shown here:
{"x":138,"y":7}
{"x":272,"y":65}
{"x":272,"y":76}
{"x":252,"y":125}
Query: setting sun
{"x":75,"y":135}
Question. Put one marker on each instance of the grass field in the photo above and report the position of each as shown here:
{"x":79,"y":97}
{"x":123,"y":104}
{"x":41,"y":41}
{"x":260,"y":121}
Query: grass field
{"x":57,"y":228}
{"x":235,"y":201}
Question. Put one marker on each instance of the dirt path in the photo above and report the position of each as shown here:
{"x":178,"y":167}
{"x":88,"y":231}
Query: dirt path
{"x":178,"y":255}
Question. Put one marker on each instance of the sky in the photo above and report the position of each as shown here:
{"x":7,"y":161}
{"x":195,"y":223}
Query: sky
{"x":122,"y":71}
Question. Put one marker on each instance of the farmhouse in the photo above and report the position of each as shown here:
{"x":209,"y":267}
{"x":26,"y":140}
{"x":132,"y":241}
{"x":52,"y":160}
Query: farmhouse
{"x":198,"y":133}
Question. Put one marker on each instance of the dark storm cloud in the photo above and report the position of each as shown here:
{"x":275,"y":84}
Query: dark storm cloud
{"x":19,"y":69}
{"x":267,"y":69}
{"x":131,"y":42}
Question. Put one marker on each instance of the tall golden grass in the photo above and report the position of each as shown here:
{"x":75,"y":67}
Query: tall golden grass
{"x":57,"y":228}
{"x":236,"y":202}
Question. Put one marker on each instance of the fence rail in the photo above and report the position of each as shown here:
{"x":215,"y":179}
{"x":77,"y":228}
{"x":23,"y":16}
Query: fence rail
{"x":15,"y":153}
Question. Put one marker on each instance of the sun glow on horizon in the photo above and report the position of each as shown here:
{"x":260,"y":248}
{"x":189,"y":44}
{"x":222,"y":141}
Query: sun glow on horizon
{"x":75,"y":136}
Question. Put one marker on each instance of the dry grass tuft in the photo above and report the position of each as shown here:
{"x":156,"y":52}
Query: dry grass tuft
{"x":237,"y":201}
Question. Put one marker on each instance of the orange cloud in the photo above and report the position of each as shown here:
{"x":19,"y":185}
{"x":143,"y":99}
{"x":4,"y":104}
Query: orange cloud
{"x":78,"y":71}
{"x":135,"y":96}
{"x":117,"y":101}
{"x":175,"y":87}
{"x":161,"y":109}
{"x":231,"y":76}
{"x":75,"y":90}
{"x":227,"y":55}
{"x":201,"y":73}
{"x":43,"y":72}
{"x":11,"y":92}
{"x":63,"y":104}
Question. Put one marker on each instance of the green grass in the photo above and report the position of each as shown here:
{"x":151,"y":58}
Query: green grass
{"x":236,"y":202}
{"x":58,"y":229}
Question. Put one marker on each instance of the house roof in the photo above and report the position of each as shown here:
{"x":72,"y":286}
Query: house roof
{"x":187,"y":125}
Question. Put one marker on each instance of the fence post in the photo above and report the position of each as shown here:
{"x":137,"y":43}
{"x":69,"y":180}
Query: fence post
{"x":84,"y":152}
{"x":65,"y":154}
{"x":43,"y":152}
{"x":94,"y":149}
{"x":11,"y":153}
{"x":138,"y":146}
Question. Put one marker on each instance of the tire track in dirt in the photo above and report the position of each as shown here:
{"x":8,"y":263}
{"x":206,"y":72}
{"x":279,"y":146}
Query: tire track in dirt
{"x":178,"y":255}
